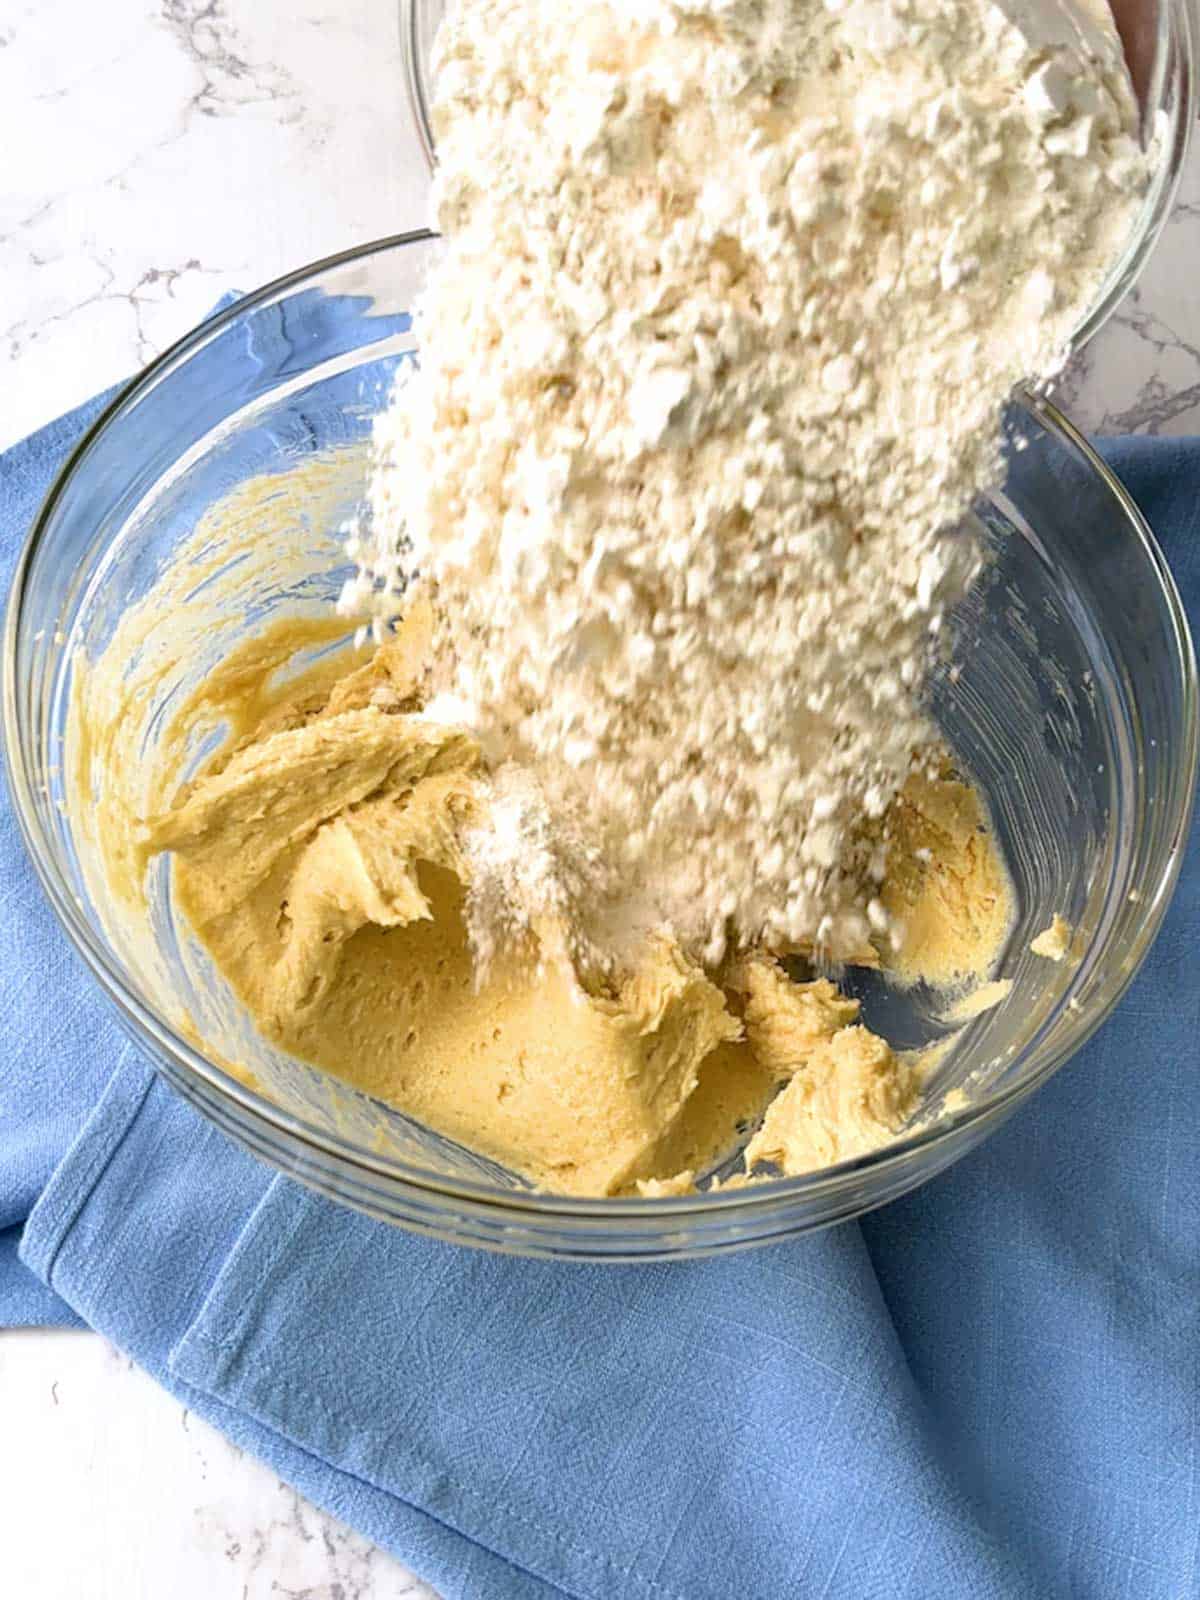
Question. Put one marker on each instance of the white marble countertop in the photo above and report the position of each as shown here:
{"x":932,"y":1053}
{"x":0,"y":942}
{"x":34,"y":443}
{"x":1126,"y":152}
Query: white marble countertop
{"x":158,"y":153}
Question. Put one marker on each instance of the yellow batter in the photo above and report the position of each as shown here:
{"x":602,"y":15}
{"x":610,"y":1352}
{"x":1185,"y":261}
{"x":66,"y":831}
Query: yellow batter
{"x":319,"y":859}
{"x":318,"y":856}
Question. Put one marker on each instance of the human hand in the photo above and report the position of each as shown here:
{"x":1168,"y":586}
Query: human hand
{"x":1137,"y":24}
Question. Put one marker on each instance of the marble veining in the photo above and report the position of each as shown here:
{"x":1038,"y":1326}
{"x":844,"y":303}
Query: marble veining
{"x":122,"y":1494}
{"x":1141,"y":372}
{"x":161,"y":152}
{"x":156,"y":154}
{"x":229,"y":78}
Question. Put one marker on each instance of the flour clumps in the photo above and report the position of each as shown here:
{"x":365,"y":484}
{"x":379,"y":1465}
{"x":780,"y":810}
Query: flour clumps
{"x":733,"y":294}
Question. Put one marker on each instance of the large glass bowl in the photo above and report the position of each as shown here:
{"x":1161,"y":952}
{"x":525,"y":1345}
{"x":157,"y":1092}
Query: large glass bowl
{"x":1160,"y":44}
{"x":1075,"y":708}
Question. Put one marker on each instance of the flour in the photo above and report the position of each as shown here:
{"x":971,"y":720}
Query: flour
{"x":733,"y":296}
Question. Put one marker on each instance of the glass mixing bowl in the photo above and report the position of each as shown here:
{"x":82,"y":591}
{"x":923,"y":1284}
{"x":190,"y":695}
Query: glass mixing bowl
{"x":1075,"y":708}
{"x":1160,"y":44}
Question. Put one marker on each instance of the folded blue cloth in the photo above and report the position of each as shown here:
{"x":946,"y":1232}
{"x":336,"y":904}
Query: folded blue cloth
{"x":991,"y":1388}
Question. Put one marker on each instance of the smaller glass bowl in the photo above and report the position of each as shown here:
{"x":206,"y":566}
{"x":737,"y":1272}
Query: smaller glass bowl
{"x":1075,"y":708}
{"x":1165,"y":76}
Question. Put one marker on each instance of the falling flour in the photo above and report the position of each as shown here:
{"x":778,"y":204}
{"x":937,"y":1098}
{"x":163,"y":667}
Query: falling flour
{"x":733,"y":294}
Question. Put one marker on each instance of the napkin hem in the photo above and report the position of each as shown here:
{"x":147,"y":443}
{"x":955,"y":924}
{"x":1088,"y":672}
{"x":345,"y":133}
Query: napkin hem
{"x":140,"y":1130}
{"x":82,"y":1169}
{"x":214,"y":1357}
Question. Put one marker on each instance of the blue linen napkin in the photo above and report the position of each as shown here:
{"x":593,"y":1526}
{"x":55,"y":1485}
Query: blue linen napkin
{"x":991,"y":1388}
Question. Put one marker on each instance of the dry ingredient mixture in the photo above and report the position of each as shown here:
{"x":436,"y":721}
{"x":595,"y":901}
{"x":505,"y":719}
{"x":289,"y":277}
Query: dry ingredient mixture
{"x":733,"y":294}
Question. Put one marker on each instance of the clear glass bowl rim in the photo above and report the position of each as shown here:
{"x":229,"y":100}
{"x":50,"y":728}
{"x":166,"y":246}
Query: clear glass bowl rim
{"x":1173,"y":87}
{"x":257,"y":1119}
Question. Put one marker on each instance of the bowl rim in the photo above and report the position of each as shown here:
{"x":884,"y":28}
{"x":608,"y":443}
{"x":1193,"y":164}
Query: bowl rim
{"x":149,"y":1027}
